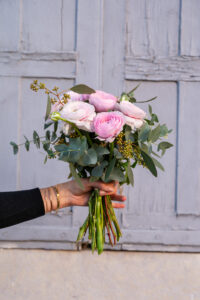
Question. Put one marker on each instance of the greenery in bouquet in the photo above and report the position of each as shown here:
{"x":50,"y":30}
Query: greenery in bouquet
{"x":102,"y":137}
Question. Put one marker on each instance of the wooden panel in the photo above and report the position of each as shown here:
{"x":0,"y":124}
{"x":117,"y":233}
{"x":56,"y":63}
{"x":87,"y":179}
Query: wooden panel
{"x":8,"y":132}
{"x":68,"y":24}
{"x":9,"y":25}
{"x":163,"y":69}
{"x":154,"y":195}
{"x":113,"y":46}
{"x":152,"y":27}
{"x":189,"y":149}
{"x":190,"y":26}
{"x":89,"y":42}
{"x":42,"y":25}
{"x":89,"y":60}
{"x":60,"y":65}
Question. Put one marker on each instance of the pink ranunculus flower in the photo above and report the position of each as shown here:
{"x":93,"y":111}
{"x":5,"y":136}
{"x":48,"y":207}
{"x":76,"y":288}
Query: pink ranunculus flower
{"x":79,"y":113}
{"x":107,"y":125}
{"x":77,"y":97}
{"x":102,"y":101}
{"x":134,"y":116}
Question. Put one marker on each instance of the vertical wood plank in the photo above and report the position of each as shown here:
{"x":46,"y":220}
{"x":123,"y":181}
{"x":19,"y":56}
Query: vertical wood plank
{"x":68,"y":24}
{"x":9,"y":25}
{"x":190,"y":27}
{"x":89,"y":42}
{"x":89,"y":63}
{"x":41,"y":25}
{"x":8,"y":132}
{"x":156,"y":195}
{"x":113,"y":46}
{"x":189,"y":149}
{"x":152,"y":27}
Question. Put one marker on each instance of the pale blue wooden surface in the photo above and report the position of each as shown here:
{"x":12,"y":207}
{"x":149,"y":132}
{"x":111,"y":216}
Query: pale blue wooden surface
{"x":110,"y":45}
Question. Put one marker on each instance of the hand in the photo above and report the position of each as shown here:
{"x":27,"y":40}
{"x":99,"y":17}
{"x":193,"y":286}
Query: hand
{"x":70,"y":194}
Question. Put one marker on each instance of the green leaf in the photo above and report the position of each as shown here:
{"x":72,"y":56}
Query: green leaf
{"x":36,"y":139}
{"x":128,"y":134}
{"x":149,"y":100}
{"x":89,"y":158}
{"x":27,"y":144}
{"x":82,"y":89}
{"x":154,"y":134}
{"x":98,"y":170}
{"x":101,"y":150}
{"x":45,"y":160}
{"x":46,"y":125}
{"x":15,"y":147}
{"x":55,"y":126}
{"x":53,"y":136}
{"x":117,"y":154}
{"x":150,"y":109}
{"x":163,"y":130}
{"x":130,"y":93}
{"x":46,"y":145}
{"x":48,"y":109}
{"x":144,"y":132}
{"x":163,"y":146}
{"x":76,"y":176}
{"x":116,"y":174}
{"x":48,"y":135}
{"x":130,"y":174}
{"x":109,"y":169}
{"x":158,"y":164}
{"x":73,"y":151}
{"x":149,"y":163}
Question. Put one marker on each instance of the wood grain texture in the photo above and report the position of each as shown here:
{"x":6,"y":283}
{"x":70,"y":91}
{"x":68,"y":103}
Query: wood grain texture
{"x":9,"y":25}
{"x":9,"y":131}
{"x":190,"y":26}
{"x":184,"y":68}
{"x":155,"y":195}
{"x":189,"y":149}
{"x":59,"y":64}
{"x":152,"y":27}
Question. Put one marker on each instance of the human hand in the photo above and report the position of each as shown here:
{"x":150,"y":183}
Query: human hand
{"x":70,"y":194}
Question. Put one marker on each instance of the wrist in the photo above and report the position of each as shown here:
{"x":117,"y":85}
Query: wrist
{"x":49,"y":199}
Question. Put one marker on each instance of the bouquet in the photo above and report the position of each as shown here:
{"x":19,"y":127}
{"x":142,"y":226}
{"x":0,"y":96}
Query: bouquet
{"x":101,"y":137}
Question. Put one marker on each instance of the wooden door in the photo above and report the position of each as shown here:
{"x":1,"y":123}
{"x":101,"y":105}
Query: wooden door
{"x":110,"y":45}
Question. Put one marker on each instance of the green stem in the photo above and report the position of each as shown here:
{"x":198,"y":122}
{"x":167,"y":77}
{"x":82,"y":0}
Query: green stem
{"x":89,"y":139}
{"x":111,"y":150}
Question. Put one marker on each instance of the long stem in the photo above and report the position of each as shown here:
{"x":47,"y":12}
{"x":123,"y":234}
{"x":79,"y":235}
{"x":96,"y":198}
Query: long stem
{"x":111,"y":227}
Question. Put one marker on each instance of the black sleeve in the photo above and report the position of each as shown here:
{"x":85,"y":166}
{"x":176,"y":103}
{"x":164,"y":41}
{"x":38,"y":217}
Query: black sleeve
{"x":20,"y":206}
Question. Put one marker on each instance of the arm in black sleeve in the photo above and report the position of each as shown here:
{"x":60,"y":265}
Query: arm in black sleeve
{"x":20,"y":206}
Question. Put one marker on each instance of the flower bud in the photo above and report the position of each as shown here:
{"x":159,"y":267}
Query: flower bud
{"x":55,"y":116}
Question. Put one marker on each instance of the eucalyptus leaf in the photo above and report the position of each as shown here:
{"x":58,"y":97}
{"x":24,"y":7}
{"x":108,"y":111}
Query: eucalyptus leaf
{"x":130,"y":174}
{"x":46,"y":125}
{"x":158,"y":164}
{"x":149,"y":163}
{"x":27,"y":143}
{"x":76,"y":176}
{"x":98,"y":170}
{"x":144,"y":132}
{"x":88,"y":158}
{"x":109,"y":169}
{"x":36,"y":139}
{"x":45,"y":160}
{"x":101,"y":150}
{"x":163,"y":146}
{"x":15,"y":147}
{"x":82,"y":89}
{"x":48,"y":109}
{"x":116,"y":174}
{"x":155,"y":134}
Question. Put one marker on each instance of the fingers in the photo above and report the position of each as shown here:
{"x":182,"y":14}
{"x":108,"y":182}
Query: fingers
{"x":117,"y":197}
{"x":118,"y":205}
{"x":105,"y":188}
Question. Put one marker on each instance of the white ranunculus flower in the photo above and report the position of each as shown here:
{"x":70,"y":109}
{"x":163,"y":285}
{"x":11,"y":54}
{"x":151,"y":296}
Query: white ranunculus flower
{"x":133,"y":123}
{"x":79,"y":113}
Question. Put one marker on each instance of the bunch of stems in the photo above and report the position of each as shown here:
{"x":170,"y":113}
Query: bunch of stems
{"x":100,"y":220}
